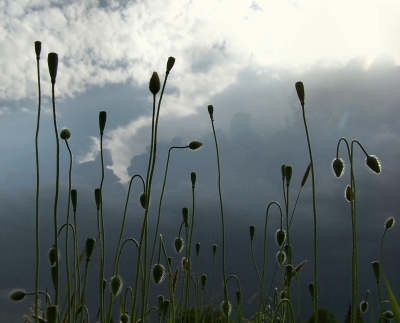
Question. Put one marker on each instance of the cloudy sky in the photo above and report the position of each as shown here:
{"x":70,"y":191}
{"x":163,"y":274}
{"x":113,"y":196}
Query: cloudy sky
{"x":241,"y":56}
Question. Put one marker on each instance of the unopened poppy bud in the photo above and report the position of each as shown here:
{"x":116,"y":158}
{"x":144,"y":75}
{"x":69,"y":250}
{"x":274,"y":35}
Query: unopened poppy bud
{"x":17,"y":295}
{"x":283,"y":171}
{"x":195,"y":145}
{"x":288,"y":174}
{"x":124,"y":318}
{"x":89,"y":247}
{"x":102,"y":121}
{"x":165,"y":308}
{"x":170,"y":64}
{"x":280,"y":237}
{"x":154,"y":84}
{"x":178,"y":244}
{"x":38,"y":49}
{"x":238,"y":296}
{"x":158,"y":273}
{"x":280,"y":257}
{"x":348,"y":193}
{"x":185,"y":215}
{"x":74,"y":199}
{"x":283,"y":294}
{"x":185,"y":263}
{"x":338,"y":167}
{"x":210,"y":109}
{"x":252,"y":229}
{"x":300,"y":92}
{"x":53,"y":255}
{"x":52,"y":61}
{"x":52,"y":313}
{"x":389,"y":223}
{"x":305,"y":176}
{"x":388,"y":315}
{"x":376,"y":269}
{"x":65,"y":134}
{"x":203,"y":279}
{"x":97,"y":197}
{"x":363,"y":307}
{"x":160,"y":301}
{"x":116,"y":285}
{"x":214,"y":248}
{"x":143,"y":200}
{"x":373,"y":163}
{"x":226,"y":308}
{"x":197,"y":248}
{"x":193,"y":178}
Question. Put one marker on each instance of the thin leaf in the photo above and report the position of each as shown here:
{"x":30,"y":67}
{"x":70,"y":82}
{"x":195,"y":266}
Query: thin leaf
{"x":393,"y":302}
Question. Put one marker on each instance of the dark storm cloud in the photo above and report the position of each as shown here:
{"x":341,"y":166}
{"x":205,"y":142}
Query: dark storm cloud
{"x":259,"y":127}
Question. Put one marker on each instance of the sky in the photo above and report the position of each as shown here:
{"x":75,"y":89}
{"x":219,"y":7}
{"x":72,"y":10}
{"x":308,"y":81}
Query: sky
{"x":243,"y":57}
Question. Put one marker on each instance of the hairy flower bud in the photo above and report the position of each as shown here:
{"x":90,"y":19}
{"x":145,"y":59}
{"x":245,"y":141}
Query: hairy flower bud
{"x":116,"y":285}
{"x":210,"y":109}
{"x":338,"y":167}
{"x":178,"y":244}
{"x":52,"y":61}
{"x":280,"y":237}
{"x":389,"y":223}
{"x":158,"y":273}
{"x":74,"y":199}
{"x":38,"y":49}
{"x":65,"y":134}
{"x":300,"y":92}
{"x":252,"y":229}
{"x":102,"y":121}
{"x":154,"y":84}
{"x":17,"y":295}
{"x":195,"y":145}
{"x":373,"y":163}
{"x":170,"y":64}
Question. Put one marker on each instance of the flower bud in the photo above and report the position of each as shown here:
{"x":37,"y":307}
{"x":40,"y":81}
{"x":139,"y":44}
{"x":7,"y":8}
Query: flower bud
{"x":170,"y":64}
{"x":102,"y":121}
{"x":226,"y":308}
{"x":252,"y":229}
{"x":203,"y":279}
{"x":89,"y":247}
{"x":214,"y":248}
{"x":38,"y":49}
{"x":185,"y":263}
{"x":338,"y":167}
{"x":154,"y":84}
{"x":158,"y":273}
{"x":97,"y":197}
{"x":160,"y":302}
{"x":283,"y":171}
{"x":195,"y":145}
{"x":165,"y":308}
{"x":389,"y":223}
{"x":53,"y":255}
{"x":143,"y":200}
{"x":210,"y":109}
{"x":17,"y":295}
{"x":65,"y":134}
{"x":238,"y":296}
{"x":282,"y":294}
{"x":288,"y":174}
{"x":124,"y":318}
{"x":300,"y":92}
{"x":178,"y":244}
{"x":376,"y":269}
{"x":363,"y":307}
{"x":116,"y":285}
{"x":197,"y":248}
{"x":289,"y":272}
{"x":52,"y":61}
{"x":288,"y":250}
{"x":388,"y":315}
{"x":348,"y":193}
{"x":280,"y":257}
{"x":280,"y":237}
{"x":373,"y":163}
{"x":193,"y":178}
{"x":74,"y":199}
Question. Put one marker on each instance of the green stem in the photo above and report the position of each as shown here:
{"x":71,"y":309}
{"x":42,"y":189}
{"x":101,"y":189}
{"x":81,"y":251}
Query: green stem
{"x":315,"y":299}
{"x":222,"y":216}
{"x":37,"y":192}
